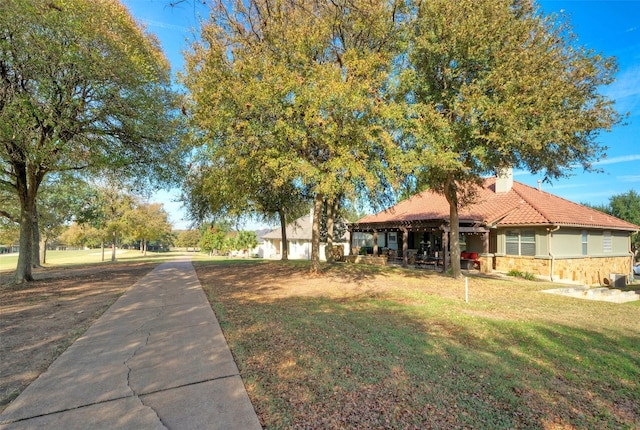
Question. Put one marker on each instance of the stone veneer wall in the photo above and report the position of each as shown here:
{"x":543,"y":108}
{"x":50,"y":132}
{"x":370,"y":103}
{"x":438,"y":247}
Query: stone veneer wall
{"x":588,"y":270}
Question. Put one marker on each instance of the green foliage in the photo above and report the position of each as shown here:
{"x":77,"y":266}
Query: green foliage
{"x":82,"y":88}
{"x":188,"y":239}
{"x":300,"y":101}
{"x":626,"y":206}
{"x":245,"y":241}
{"x":518,"y":274}
{"x":9,"y":232}
{"x":495,"y":85}
{"x":214,"y":238}
{"x":435,"y":93}
{"x":149,"y":222}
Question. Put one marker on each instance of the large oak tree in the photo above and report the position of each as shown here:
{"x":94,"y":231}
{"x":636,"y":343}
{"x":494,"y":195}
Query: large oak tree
{"x":298,"y":88}
{"x":82,"y":87}
{"x":495,"y":84}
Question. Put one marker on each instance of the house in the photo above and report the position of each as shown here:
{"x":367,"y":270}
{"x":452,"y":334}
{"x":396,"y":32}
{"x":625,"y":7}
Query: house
{"x":259,"y":250}
{"x":509,"y":226}
{"x":298,"y":239}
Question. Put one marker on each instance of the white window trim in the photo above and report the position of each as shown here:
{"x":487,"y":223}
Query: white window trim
{"x":520,"y":242}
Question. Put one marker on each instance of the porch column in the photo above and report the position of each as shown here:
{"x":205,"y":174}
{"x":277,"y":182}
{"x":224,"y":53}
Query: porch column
{"x":405,"y":246}
{"x":486,"y":259}
{"x":485,"y":242}
{"x":375,"y":243}
{"x":351,"y":237}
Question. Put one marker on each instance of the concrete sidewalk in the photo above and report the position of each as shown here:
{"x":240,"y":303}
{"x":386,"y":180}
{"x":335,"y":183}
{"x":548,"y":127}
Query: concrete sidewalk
{"x":156,"y":359}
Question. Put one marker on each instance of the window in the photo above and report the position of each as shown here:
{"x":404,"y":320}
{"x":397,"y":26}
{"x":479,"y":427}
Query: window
{"x":585,"y":241}
{"x":513,"y":242}
{"x":607,"y":244}
{"x":521,"y":242}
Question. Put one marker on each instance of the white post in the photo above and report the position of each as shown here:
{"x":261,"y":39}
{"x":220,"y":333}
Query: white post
{"x":466,"y":289}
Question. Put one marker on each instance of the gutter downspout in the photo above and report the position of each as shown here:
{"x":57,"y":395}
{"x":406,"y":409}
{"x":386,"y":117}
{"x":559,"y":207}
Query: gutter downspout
{"x":553,"y":258}
{"x":632,"y":257}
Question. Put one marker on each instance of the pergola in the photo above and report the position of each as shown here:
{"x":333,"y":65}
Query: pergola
{"x":437,"y":227}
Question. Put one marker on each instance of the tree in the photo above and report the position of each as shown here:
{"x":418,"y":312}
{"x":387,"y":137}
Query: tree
{"x":83,"y":235}
{"x":61,"y":199}
{"x":214,"y":239}
{"x":494,"y":85}
{"x":298,"y":89}
{"x":9,"y":234}
{"x":245,"y":241}
{"x":111,"y":218}
{"x":217,"y":188}
{"x":147,"y":222}
{"x":82,"y":88}
{"x":188,"y":239}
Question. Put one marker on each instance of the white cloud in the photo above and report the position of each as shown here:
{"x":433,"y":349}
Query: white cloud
{"x":159,"y":24}
{"x":616,"y":160}
{"x":629,"y":178}
{"x":564,"y":186}
{"x":626,"y":89}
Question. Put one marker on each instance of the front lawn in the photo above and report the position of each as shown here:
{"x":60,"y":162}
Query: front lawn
{"x":370,"y":347}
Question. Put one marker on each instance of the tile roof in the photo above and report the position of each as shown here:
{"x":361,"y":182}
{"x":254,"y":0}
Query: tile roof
{"x":522,"y":205}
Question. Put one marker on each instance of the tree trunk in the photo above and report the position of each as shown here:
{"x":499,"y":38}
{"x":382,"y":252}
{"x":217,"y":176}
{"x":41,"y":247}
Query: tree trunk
{"x":144,"y":247}
{"x":102,"y":248}
{"x":451,"y":194}
{"x":405,"y":247}
{"x":27,"y":192}
{"x":330,"y":221}
{"x":113,"y":247}
{"x":283,"y":230}
{"x":28,"y":180}
{"x":44,"y":251}
{"x":23,"y":269}
{"x":315,"y":233}
{"x":35,"y":258}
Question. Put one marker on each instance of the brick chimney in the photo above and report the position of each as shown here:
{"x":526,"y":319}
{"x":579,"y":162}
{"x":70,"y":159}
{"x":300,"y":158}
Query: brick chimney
{"x":504,"y":180}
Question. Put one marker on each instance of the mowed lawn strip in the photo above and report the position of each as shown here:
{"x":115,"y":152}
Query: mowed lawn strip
{"x":368,"y":347}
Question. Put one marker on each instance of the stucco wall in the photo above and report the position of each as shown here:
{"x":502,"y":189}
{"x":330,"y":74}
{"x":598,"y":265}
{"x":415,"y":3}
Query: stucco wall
{"x":588,"y":270}
{"x":568,"y":243}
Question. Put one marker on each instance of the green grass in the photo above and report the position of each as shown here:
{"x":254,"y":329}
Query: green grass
{"x":411,"y":353}
{"x":8,"y":262}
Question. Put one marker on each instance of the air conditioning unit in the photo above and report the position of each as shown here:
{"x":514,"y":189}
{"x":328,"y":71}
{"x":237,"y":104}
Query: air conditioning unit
{"x":618,"y":280}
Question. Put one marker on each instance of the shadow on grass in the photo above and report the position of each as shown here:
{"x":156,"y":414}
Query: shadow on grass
{"x":377,"y":362}
{"x":273,"y":270}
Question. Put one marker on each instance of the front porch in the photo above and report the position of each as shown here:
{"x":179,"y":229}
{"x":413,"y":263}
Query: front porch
{"x":423,"y":244}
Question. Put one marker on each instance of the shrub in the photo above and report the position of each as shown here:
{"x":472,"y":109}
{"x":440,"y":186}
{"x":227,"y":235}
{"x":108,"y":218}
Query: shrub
{"x":525,"y":275}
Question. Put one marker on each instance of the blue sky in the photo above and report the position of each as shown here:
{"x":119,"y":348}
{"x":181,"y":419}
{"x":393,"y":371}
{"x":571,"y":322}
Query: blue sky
{"x":611,"y":27}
